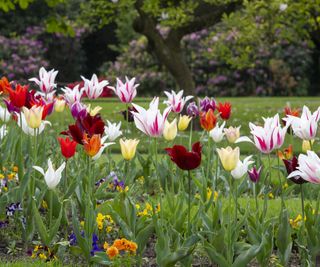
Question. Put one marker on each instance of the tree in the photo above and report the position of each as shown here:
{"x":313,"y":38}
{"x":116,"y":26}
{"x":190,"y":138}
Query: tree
{"x":179,"y":17}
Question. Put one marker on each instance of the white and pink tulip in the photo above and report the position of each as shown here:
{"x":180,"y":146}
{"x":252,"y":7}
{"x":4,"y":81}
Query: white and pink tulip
{"x":176,"y":101}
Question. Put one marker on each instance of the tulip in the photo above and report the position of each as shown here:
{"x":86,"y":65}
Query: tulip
{"x":150,"y":121}
{"x":309,"y":168}
{"x":51,"y":176}
{"x":59,"y":105}
{"x":104,"y":145}
{"x":232,"y":134}
{"x":18,"y":96}
{"x":93,"y":88}
{"x":22,"y":123}
{"x":266,"y":138}
{"x":291,"y":112}
{"x":306,"y":126}
{"x":94,"y":111}
{"x":229,"y":157}
{"x":306,"y":145}
{"x":192,"y":110}
{"x":254,"y":174}
{"x":176,"y":101}
{"x":170,"y":130}
{"x":113,"y":130}
{"x":208,"y":120}
{"x":72,"y":95}
{"x":286,"y":154}
{"x":186,"y":160}
{"x":4,"y":114}
{"x":217,"y":133}
{"x":128,"y":148}
{"x":68,"y":147}
{"x":291,"y":166}
{"x":4,"y":85}
{"x":92,"y":144}
{"x":33,"y":116}
{"x":46,"y":82}
{"x":207,"y":103}
{"x":78,"y":110}
{"x":224,"y":110}
{"x":184,"y":122}
{"x":241,"y":168}
{"x":3,"y":131}
{"x":126,"y":91}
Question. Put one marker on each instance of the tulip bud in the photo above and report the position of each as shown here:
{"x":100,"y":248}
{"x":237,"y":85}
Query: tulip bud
{"x":184,"y":122}
{"x":170,"y":130}
{"x":192,"y":110}
{"x":254,"y":174}
{"x":128,"y":148}
{"x":59,"y":105}
{"x":306,"y":145}
{"x":232,"y":134}
{"x":33,"y":116}
{"x":229,"y":157}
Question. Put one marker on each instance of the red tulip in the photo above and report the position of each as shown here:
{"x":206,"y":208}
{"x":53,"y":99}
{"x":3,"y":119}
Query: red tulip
{"x":68,"y":147}
{"x":18,"y":96}
{"x":292,"y":165}
{"x":225,"y":110}
{"x":185,"y":160}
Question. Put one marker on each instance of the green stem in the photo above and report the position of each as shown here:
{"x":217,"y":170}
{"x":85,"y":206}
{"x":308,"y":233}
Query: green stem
{"x":190,"y":136}
{"x":158,"y":176}
{"x":281,"y":187}
{"x":65,"y":182}
{"x":302,"y":202}
{"x":50,"y":207}
{"x":229,"y":223}
{"x":256,"y":198}
{"x":208,"y":156}
{"x":127,"y":119}
{"x":189,"y":203}
{"x":236,"y":201}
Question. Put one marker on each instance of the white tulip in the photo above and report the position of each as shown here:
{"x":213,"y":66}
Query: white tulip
{"x":113,"y":130}
{"x":4,"y":114}
{"x":241,"y":168}
{"x":217,"y":133}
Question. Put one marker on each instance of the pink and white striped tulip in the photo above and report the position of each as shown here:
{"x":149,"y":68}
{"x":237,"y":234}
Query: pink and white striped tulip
{"x":150,"y":121}
{"x":306,"y":126}
{"x":126,"y":91}
{"x":46,"y":80}
{"x":176,"y":101}
{"x":267,"y":138}
{"x":309,"y":167}
{"x":93,"y":87}
{"x":72,"y":95}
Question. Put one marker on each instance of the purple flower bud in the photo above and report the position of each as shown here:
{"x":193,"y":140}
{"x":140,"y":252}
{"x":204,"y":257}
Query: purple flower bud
{"x":192,"y":110}
{"x":78,"y":110}
{"x":254,"y":174}
{"x":207,"y":103}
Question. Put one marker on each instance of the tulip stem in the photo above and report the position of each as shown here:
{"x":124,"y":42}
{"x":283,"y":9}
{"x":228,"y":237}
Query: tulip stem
{"x":229,"y":223}
{"x":255,"y":197}
{"x":208,"y":156}
{"x":127,"y":119}
{"x":65,"y":185}
{"x":302,"y":202}
{"x":281,"y":187}
{"x":50,"y":208}
{"x":189,"y":203}
{"x":158,"y":176}
{"x":190,"y":136}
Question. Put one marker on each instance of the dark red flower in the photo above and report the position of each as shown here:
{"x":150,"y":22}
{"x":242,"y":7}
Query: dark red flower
{"x":18,"y":96}
{"x":292,"y":165}
{"x":68,"y":147}
{"x":224,"y":110}
{"x":186,"y":160}
{"x":89,"y":125}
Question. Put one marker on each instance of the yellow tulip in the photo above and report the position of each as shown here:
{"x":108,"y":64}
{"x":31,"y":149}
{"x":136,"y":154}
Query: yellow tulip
{"x":306,"y":145}
{"x":170,"y":130}
{"x":232,"y":134}
{"x":128,"y":148}
{"x":33,"y":116}
{"x":93,"y":111}
{"x":59,"y":105}
{"x":184,"y":122}
{"x":229,"y":157}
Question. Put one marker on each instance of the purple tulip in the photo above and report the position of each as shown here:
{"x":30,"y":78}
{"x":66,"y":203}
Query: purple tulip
{"x":192,"y":110}
{"x":254,"y":174}
{"x":207,"y":103}
{"x":78,"y":110}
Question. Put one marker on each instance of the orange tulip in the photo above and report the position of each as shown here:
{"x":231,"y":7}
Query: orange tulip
{"x":92,"y":145}
{"x":208,"y":120}
{"x":287,"y":153}
{"x":4,"y":85}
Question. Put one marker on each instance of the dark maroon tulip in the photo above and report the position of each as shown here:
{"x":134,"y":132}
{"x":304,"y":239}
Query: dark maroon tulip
{"x":292,"y":165}
{"x":254,"y":174}
{"x":186,"y":160}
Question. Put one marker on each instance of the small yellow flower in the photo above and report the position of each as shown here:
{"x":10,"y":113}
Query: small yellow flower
{"x":184,"y":122}
{"x":285,"y":186}
{"x":270,"y":195}
{"x":229,"y":157}
{"x":42,"y":256}
{"x":128,"y":148}
{"x":148,"y":207}
{"x":137,"y":206}
{"x":15,"y":168}
{"x":44,"y":204}
{"x":170,"y":130}
{"x":141,"y":180}
{"x":11,"y":175}
{"x":105,"y":246}
{"x":215,"y":195}
{"x":1,"y":176}
{"x":109,"y":229}
{"x":306,"y":145}
{"x":82,"y":223}
{"x":296,"y":222}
